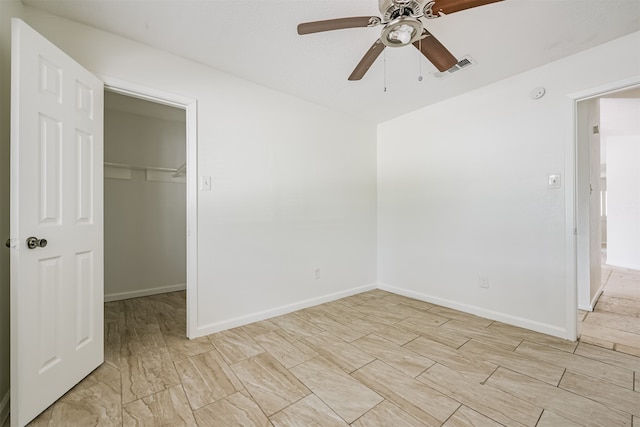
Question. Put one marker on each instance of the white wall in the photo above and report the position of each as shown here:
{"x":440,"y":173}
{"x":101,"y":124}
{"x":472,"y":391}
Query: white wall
{"x":462,"y":193}
{"x":144,"y":141}
{"x":145,"y":221}
{"x":294,"y":184}
{"x":620,"y":132}
{"x":623,"y":196}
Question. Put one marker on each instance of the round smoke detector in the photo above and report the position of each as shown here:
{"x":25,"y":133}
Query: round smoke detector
{"x":537,"y":93}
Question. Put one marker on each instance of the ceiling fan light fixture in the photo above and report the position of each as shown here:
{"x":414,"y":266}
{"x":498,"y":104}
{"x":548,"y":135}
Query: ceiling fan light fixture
{"x":401,"y":31}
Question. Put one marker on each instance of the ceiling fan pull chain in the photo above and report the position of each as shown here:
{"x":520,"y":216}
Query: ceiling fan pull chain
{"x":420,"y":60}
{"x":384,"y":63}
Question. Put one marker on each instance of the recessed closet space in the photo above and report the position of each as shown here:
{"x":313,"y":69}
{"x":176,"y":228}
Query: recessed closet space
{"x":144,"y":197}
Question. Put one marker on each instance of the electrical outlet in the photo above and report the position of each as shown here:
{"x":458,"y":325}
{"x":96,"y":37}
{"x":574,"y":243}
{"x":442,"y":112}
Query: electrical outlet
{"x":316,"y":274}
{"x":483,"y":281}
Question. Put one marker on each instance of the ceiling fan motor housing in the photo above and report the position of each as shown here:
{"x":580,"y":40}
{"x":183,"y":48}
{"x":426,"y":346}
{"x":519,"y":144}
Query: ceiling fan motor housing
{"x":392,"y":9}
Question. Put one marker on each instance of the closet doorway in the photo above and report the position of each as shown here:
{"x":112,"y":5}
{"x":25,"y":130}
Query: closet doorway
{"x":145,"y":197}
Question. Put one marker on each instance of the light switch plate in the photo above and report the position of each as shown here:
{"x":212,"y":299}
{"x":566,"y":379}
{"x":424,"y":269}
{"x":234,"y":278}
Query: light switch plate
{"x":554,"y":181}
{"x":205,"y":183}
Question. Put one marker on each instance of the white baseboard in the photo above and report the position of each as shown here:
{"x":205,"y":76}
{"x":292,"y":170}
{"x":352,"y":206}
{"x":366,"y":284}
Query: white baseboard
{"x":278,"y":311}
{"x":592,"y":305}
{"x":144,"y":292}
{"x":594,"y":300}
{"x":585,"y":307}
{"x":478,"y":311}
{"x":5,"y":407}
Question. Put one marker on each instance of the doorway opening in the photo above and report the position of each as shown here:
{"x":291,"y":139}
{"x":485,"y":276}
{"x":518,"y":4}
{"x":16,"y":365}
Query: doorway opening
{"x":145,"y":197}
{"x":150,"y":196}
{"x":608,"y":211}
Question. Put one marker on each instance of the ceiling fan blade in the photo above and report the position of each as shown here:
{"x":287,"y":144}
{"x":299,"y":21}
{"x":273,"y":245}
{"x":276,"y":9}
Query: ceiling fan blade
{"x":338,"y":24}
{"x":451,"y":6}
{"x":367,"y":60}
{"x":435,"y":51}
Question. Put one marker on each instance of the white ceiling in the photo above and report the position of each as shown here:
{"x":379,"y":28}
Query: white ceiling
{"x":257,"y":40}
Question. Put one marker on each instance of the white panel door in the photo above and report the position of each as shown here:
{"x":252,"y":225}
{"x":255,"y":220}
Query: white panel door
{"x":56,"y":195}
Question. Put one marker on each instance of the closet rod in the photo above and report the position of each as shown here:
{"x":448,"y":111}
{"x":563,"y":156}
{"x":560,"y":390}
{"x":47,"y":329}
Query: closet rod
{"x":180,"y":171}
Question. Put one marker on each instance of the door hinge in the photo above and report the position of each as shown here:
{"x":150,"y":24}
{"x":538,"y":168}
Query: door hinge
{"x":596,"y":129}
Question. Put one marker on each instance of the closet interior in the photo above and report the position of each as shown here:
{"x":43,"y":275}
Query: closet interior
{"x":144,"y":197}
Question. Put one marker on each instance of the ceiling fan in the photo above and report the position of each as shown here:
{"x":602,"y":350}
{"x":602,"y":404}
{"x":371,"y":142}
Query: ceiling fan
{"x":402,"y":20}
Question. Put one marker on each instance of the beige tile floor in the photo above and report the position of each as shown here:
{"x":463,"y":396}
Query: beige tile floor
{"x":373,"y":359}
{"x":615,"y":321}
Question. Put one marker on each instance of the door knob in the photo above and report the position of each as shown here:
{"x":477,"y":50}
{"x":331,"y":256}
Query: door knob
{"x":8,"y":243}
{"x":34,"y":242}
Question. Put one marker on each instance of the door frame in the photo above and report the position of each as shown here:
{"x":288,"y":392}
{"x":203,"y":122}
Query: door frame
{"x":587,"y":150}
{"x":190,"y":106}
{"x":571,"y":211}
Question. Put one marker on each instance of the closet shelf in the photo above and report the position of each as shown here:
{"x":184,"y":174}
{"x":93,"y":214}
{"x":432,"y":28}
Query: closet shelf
{"x":181,"y":171}
{"x":123,"y":171}
{"x":144,"y":168}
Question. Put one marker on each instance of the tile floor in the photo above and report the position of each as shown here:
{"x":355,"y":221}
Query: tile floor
{"x":373,"y":359}
{"x":615,"y":321}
